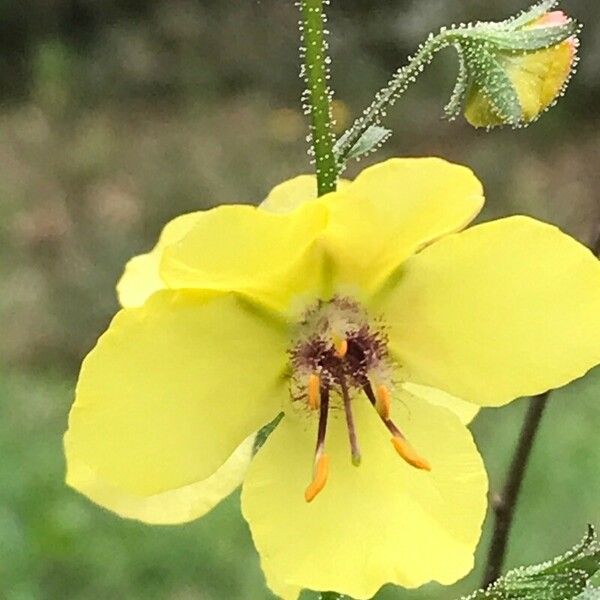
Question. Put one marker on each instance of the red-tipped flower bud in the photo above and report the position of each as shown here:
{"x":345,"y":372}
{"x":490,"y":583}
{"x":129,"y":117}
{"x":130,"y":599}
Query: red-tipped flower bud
{"x":533,"y":69}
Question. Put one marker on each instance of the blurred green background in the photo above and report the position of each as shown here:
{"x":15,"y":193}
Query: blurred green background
{"x":116,"y":116}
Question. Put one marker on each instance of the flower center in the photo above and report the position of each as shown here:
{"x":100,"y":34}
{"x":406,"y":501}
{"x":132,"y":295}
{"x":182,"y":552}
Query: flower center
{"x":339,"y":354}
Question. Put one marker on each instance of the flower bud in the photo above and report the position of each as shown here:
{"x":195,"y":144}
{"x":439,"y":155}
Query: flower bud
{"x":523,"y":69}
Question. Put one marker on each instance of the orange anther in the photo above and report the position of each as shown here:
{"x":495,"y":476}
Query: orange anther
{"x":341,"y":347}
{"x":407,"y":452}
{"x":384,"y":401}
{"x":314,"y":391}
{"x":319,"y":478}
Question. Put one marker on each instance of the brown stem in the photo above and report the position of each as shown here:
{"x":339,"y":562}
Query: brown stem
{"x":596,"y":245}
{"x":505,"y":503}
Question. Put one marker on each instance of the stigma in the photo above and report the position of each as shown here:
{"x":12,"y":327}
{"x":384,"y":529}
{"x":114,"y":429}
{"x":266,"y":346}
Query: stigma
{"x":341,"y":356}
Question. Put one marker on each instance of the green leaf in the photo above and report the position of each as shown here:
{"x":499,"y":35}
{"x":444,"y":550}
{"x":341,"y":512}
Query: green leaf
{"x":265,"y":432}
{"x":563,"y":578}
{"x":370,"y":141}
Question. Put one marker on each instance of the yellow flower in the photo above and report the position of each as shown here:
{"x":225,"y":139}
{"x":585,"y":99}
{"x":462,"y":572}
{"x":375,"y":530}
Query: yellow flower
{"x":538,"y":77}
{"x":376,"y":326}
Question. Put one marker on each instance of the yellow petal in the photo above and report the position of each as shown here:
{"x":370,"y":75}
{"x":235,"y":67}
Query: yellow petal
{"x":280,"y":589}
{"x":267,"y":256}
{"x":384,"y":521}
{"x":393,"y":209}
{"x":465,"y":411}
{"x":174,"y":506}
{"x":540,"y":76}
{"x":292,"y":194}
{"x":141,"y":278}
{"x":506,"y":309}
{"x":173,"y":387}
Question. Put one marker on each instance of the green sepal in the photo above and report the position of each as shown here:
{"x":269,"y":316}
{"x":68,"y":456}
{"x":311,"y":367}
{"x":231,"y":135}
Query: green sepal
{"x":530,"y":40}
{"x":488,"y":77}
{"x":530,"y":14}
{"x":457,"y":99}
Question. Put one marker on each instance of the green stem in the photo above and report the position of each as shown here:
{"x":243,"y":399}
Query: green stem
{"x":396,"y":86}
{"x":318,"y":94}
{"x":330,"y":596}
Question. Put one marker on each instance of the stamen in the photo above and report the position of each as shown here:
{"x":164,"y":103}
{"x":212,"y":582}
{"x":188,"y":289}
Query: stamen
{"x":403,"y":448}
{"x":407,"y":452}
{"x":321,"y":464}
{"x":369,"y":392}
{"x":320,"y":475}
{"x":314,"y":396}
{"x":354,"y":447}
{"x":341,"y":347}
{"x":384,"y":402}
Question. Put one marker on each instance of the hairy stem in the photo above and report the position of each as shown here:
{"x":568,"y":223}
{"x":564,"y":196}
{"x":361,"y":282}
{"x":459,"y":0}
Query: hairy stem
{"x":318,"y":95}
{"x":396,"y":86}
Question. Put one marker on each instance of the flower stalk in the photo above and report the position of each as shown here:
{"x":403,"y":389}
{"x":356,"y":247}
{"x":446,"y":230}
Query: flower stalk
{"x":505,"y":503}
{"x":317,"y":97}
{"x":387,"y":96}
